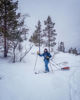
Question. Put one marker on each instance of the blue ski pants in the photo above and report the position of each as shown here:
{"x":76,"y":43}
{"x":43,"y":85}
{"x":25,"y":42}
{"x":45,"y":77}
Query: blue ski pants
{"x":46,"y":65}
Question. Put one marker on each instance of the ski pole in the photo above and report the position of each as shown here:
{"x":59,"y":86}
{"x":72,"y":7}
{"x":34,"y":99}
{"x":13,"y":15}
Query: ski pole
{"x":51,"y":67}
{"x":58,"y":65}
{"x":62,"y":68}
{"x":35,"y":62}
{"x":57,"y":68}
{"x":54,"y":65}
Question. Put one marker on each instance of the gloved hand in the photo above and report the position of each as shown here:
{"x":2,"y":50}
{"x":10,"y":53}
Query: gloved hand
{"x":47,"y":57}
{"x":38,"y":53}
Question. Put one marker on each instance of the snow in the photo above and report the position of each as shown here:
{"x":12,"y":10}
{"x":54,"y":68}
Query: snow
{"x":18,"y":81}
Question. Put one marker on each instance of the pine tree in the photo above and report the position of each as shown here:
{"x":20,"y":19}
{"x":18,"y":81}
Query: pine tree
{"x":11,"y":23}
{"x":61,"y":47}
{"x":49,"y":33}
{"x":18,"y":35}
{"x":36,"y":38}
{"x":7,"y":17}
{"x":75,"y":51}
{"x":70,"y":50}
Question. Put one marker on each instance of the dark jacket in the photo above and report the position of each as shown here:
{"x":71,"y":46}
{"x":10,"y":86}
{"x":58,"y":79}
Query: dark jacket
{"x":46,"y":55}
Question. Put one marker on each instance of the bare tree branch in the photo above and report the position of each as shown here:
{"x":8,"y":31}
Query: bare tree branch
{"x":26,"y":52}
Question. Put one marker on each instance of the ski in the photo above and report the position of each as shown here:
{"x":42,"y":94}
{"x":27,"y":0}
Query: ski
{"x":43,"y":72}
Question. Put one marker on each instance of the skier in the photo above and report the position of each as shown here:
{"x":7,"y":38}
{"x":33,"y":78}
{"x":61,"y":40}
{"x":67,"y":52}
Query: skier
{"x":46,"y":56}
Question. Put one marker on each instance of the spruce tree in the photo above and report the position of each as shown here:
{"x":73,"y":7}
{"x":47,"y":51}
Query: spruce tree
{"x":61,"y":47}
{"x":75,"y":51}
{"x":49,"y":33}
{"x":70,"y":50}
{"x":11,"y":23}
{"x":36,"y":38}
{"x":7,"y":17}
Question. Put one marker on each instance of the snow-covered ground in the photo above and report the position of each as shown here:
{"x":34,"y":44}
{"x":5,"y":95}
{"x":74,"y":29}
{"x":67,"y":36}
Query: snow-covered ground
{"x":18,"y":81}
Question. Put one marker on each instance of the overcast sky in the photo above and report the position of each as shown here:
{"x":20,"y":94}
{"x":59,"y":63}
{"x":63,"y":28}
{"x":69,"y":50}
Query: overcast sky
{"x":65,"y":13}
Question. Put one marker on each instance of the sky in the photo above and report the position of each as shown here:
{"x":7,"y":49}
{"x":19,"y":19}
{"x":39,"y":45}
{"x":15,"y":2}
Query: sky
{"x":65,"y":14}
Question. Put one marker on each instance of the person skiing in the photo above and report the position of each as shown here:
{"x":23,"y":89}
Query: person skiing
{"x":47,"y":57}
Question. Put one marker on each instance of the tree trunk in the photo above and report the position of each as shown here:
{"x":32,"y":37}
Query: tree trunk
{"x":49,"y":39}
{"x":5,"y":32}
{"x":5,"y":47}
{"x":14,"y":55}
{"x":39,"y":42}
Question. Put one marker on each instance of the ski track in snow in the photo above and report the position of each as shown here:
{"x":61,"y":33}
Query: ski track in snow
{"x":19,"y":82}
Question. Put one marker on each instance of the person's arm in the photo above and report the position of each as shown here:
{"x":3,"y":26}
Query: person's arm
{"x":41,"y":54}
{"x":50,"y":55}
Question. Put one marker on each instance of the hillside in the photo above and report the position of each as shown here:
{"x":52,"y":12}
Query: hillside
{"x":18,"y":81}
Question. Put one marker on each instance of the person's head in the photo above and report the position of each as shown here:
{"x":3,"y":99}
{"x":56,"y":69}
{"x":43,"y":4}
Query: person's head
{"x":45,"y":50}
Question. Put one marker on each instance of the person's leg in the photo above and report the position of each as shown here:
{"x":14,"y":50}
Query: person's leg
{"x":46,"y":66}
